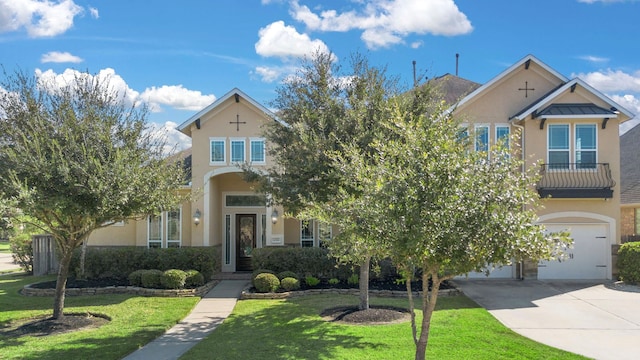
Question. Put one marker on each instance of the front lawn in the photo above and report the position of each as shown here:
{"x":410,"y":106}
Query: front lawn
{"x":134,"y":322}
{"x":292,"y":329}
{"x":5,"y":247}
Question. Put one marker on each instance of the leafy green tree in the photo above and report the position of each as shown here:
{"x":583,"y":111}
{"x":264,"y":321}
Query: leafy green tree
{"x":322,"y":110}
{"x":76,"y":158}
{"x":441,"y":209}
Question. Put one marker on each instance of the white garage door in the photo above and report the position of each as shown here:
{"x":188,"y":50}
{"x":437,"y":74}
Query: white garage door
{"x":505,"y":272}
{"x":587,"y":259}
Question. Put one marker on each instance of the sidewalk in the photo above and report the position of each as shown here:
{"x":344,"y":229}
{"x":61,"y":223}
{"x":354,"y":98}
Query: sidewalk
{"x":6,"y":262}
{"x":208,"y":313}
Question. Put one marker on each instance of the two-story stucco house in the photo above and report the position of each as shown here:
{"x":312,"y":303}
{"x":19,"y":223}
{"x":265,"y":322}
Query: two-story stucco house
{"x":566,"y":125}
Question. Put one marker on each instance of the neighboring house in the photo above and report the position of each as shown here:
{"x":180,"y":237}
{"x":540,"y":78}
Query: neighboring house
{"x":567,"y":125}
{"x":630,"y":184}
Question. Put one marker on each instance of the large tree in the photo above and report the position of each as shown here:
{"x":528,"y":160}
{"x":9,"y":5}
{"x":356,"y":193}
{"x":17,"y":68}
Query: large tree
{"x":322,"y":110}
{"x":76,"y":158}
{"x":443,"y":209}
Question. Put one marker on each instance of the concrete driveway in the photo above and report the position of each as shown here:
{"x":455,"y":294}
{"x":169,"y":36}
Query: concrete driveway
{"x":597,"y":320}
{"x":6,"y":262}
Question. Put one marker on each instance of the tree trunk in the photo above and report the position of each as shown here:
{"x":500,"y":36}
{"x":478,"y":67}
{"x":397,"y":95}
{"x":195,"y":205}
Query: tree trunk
{"x":61,"y":283}
{"x":364,"y":284}
{"x":428,"y":306}
{"x":83,"y":255}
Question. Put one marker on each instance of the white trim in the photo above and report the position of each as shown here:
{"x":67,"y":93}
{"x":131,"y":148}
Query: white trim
{"x":185,"y":127}
{"x":149,"y":230}
{"x":475,"y":137}
{"x":313,"y":232}
{"x":503,"y":74}
{"x":179,"y":240}
{"x":575,"y":141}
{"x":549,"y":99}
{"x":224,"y":151}
{"x":240,"y":193}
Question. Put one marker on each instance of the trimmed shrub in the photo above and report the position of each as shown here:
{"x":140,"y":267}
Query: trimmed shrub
{"x":287,"y":274}
{"x":311,"y":281}
{"x":334,"y":281}
{"x":629,"y":262}
{"x":151,"y":279}
{"x":22,"y":251}
{"x":354,"y":279}
{"x":135,"y":278}
{"x":194,"y":279}
{"x":119,"y":262}
{"x":258,"y":272}
{"x":290,"y":283}
{"x":266,"y":282}
{"x":173,"y":279}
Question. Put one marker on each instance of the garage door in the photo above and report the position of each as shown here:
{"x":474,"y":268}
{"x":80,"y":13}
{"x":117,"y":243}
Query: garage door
{"x":587,"y":259}
{"x":505,"y":272}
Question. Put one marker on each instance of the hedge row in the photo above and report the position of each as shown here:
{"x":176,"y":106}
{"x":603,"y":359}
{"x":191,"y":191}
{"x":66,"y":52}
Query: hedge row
{"x":302,"y":261}
{"x":119,"y":262}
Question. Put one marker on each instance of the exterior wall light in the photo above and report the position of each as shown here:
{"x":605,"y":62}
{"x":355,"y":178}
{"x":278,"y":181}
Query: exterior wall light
{"x":274,"y":216}
{"x":196,"y":217}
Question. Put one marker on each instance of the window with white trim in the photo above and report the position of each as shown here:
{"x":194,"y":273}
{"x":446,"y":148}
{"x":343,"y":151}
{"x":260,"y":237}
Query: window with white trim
{"x":154,"y":231}
{"x":217,"y":150}
{"x":174,"y":230}
{"x":306,"y":233}
{"x":257,"y":154}
{"x":482,"y":139}
{"x":585,"y":146}
{"x":165,"y":229}
{"x":558,"y":146}
{"x":237,"y":150}
{"x":324,"y":234}
{"x":502,"y":135}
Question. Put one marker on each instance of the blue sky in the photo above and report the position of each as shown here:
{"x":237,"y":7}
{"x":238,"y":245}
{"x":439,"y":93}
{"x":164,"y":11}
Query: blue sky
{"x":179,"y":56}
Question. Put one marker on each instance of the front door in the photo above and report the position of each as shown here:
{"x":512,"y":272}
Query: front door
{"x":245,"y":240}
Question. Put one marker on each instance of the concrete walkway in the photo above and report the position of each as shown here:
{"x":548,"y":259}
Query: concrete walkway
{"x":210,"y":312}
{"x":596,"y":320}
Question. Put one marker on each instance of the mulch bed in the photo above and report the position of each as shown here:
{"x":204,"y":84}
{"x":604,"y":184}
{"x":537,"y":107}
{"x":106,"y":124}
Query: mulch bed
{"x":46,"y":325}
{"x":375,"y":315}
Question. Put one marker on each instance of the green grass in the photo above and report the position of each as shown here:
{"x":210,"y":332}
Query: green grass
{"x":292,"y":329}
{"x":134,"y":322}
{"x":4,"y":247}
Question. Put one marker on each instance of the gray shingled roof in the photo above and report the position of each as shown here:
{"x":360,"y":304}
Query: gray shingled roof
{"x":573,"y":109}
{"x":630,"y":166}
{"x":453,"y":88}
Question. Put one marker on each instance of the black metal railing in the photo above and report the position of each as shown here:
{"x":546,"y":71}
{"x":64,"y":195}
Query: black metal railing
{"x":576,"y":180}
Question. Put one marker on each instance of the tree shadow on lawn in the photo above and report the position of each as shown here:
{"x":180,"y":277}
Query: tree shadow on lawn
{"x":287,"y":330}
{"x":293,"y":329}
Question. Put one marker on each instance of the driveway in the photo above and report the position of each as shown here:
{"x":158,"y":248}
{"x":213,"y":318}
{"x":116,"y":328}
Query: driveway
{"x":597,"y":320}
{"x":6,"y":262}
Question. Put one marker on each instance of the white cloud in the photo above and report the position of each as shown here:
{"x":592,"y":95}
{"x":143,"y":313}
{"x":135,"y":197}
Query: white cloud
{"x":417,"y":44}
{"x":631,"y":103}
{"x":174,"y":140}
{"x":280,"y":40}
{"x":387,"y":22}
{"x":107,"y":77}
{"x":612,"y":81}
{"x":40,"y":18}
{"x":175,"y":96}
{"x":94,"y":12}
{"x":594,"y":59}
{"x":60,"y":57}
{"x":268,"y":74}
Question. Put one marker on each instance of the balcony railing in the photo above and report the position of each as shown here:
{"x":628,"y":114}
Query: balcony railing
{"x":576,"y":180}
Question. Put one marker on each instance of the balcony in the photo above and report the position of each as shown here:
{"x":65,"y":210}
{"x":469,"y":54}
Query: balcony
{"x":576,"y":180}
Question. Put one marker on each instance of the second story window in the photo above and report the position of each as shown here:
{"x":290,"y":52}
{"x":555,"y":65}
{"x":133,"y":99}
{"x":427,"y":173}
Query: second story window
{"x":217,"y":151}
{"x":482,"y":139}
{"x":257,"y":151}
{"x":237,"y":150}
{"x":585,"y":146}
{"x":558,"y":146}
